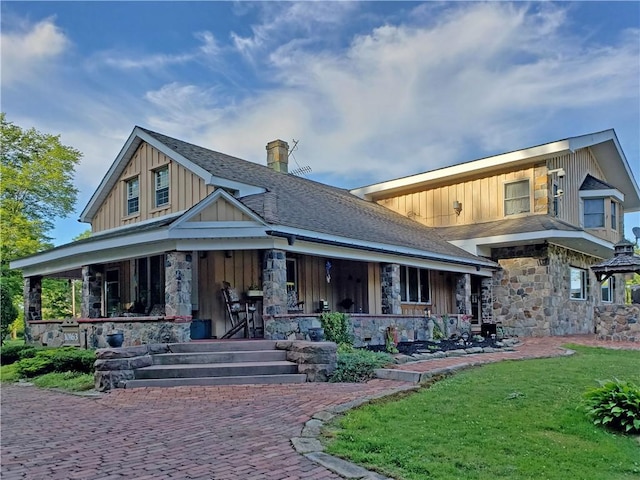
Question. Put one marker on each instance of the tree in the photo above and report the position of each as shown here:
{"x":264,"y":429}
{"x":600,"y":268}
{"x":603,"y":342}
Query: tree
{"x":37,"y":173}
{"x":8,"y":311}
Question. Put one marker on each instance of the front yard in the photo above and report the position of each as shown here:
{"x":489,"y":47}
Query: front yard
{"x":515,"y":420}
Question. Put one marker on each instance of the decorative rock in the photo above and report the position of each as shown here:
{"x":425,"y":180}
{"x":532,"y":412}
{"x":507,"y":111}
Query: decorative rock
{"x":473,"y":350}
{"x":106,"y":380}
{"x":126,"y":352}
{"x":312,"y":428}
{"x":455,"y":353}
{"x":317,"y":372}
{"x":306,"y":445}
{"x":312,"y":352}
{"x":324,"y":416}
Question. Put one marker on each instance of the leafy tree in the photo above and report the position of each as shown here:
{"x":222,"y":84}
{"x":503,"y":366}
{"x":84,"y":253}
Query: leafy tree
{"x":37,"y":173}
{"x":8,"y":311}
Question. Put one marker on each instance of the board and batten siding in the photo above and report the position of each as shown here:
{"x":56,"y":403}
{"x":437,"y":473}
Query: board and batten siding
{"x":482,"y":195}
{"x":482,"y":199}
{"x":185,"y":190}
{"x":577,"y":166}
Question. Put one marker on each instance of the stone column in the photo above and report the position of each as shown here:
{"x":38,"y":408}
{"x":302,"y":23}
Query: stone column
{"x":177,"y":286}
{"x":32,"y":292}
{"x":390,"y":283}
{"x":486,"y":300}
{"x":274,"y":283}
{"x":91,"y":292}
{"x":463,"y":294}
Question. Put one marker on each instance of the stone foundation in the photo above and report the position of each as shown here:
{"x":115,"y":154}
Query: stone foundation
{"x":366,"y":329}
{"x":318,"y":360}
{"x":136,"y":330}
{"x":618,"y":322}
{"x":531,"y":295}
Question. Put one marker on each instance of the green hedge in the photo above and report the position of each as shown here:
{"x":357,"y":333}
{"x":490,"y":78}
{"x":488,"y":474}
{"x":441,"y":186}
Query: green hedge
{"x":615,"y":404}
{"x":356,"y":365}
{"x":65,"y":359}
{"x":12,"y":353}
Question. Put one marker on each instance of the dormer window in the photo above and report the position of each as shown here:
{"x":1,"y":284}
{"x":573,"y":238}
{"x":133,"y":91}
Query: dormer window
{"x":133,"y":196}
{"x":594,"y":213}
{"x":517,"y":197}
{"x":161,"y":182}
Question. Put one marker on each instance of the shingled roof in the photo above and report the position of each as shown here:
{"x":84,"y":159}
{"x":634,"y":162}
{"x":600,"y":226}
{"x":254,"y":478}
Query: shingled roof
{"x":301,"y":203}
{"x":592,"y":183}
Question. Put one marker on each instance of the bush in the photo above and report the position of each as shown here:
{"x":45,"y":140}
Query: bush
{"x":336,"y":327}
{"x":358,"y":365}
{"x":8,"y":311}
{"x":615,"y":404}
{"x":66,"y":359}
{"x":12,"y":353}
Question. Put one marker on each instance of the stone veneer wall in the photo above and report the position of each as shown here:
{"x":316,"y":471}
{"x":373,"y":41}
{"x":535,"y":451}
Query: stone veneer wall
{"x":136,"y":330}
{"x":177,"y":288}
{"x":532,"y":293}
{"x":274,"y":283}
{"x":390,"y":284}
{"x":366,"y":329}
{"x":91,"y":292}
{"x":618,"y":322}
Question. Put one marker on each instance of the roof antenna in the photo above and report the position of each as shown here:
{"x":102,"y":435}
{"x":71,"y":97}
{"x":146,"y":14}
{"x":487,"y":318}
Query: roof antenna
{"x":300,"y":171}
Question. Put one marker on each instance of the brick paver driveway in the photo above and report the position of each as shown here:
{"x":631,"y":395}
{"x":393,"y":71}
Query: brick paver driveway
{"x":240,"y":432}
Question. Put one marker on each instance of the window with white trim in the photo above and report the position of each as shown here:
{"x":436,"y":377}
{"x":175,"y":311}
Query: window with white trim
{"x":578,"y":286}
{"x":414,"y":285}
{"x":593,"y":213}
{"x":517,"y":197}
{"x":606,"y":290}
{"x":162,"y":186}
{"x":133,"y":195}
{"x":614,"y":215}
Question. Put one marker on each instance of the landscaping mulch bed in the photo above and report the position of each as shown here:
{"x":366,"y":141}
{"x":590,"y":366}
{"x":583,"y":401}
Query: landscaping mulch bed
{"x":410,"y":348}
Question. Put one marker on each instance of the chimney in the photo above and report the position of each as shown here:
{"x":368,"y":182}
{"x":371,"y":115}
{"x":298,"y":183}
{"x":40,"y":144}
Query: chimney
{"x":278,"y":156}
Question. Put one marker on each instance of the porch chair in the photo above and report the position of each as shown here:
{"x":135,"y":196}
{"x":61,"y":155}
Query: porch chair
{"x":293,"y":304}
{"x":239,"y":313}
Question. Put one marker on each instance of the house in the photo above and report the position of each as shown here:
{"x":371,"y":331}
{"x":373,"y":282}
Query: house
{"x":172,"y":222}
{"x":545,"y":214}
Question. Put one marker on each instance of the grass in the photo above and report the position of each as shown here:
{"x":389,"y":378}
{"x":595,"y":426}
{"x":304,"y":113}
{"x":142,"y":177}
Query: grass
{"x":70,"y":381}
{"x":510,"y":420}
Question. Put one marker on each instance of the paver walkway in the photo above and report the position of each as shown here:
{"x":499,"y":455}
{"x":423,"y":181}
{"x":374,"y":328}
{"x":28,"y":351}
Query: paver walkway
{"x":231,"y":432}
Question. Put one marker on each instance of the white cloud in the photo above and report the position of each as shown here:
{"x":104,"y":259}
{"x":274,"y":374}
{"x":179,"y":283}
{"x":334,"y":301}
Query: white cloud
{"x":31,"y":50}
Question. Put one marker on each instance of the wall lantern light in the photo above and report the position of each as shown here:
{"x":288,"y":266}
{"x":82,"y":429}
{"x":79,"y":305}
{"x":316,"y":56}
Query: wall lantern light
{"x":457,"y":207}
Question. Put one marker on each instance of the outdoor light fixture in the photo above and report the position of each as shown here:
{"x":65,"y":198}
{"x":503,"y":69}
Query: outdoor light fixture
{"x":457,"y":207}
{"x":560,"y":171}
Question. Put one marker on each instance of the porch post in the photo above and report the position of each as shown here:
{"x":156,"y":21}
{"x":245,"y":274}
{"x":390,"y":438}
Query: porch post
{"x":274,"y":282}
{"x":486,"y":300}
{"x":177,"y":286}
{"x":390,"y":283}
{"x":32,"y":293}
{"x":463,"y":294}
{"x":91,"y":292}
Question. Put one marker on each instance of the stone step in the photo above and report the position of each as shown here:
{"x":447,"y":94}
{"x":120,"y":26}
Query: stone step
{"x":209,"y":381}
{"x":219,"y":357}
{"x":223,"y":346}
{"x":216,"y":370}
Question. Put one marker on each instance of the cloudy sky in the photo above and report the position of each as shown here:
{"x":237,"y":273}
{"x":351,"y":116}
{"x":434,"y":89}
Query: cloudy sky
{"x":371,"y":91}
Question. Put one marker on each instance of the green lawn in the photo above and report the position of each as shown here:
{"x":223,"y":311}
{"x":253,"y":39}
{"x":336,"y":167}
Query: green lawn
{"x":511,"y":420}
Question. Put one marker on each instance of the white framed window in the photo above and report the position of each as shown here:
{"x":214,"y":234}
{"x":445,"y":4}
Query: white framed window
{"x":162,"y":186}
{"x":517,"y":197}
{"x":594,"y":213}
{"x":606,"y":290}
{"x":414,"y":285}
{"x":614,"y":215}
{"x":578,"y":286}
{"x":133,"y":195}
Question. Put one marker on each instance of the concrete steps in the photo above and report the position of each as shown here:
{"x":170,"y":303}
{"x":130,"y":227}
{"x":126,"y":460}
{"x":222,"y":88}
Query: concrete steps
{"x":234,"y":362}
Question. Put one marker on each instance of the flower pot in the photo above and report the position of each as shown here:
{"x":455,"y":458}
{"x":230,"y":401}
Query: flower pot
{"x":115,"y":340}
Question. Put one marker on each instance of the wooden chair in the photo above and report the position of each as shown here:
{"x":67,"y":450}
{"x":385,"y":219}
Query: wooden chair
{"x":239,"y":313}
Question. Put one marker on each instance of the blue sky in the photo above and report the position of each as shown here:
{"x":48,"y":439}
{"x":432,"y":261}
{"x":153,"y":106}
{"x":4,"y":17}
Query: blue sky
{"x":372,"y":90}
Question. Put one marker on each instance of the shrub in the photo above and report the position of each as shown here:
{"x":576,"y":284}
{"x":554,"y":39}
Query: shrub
{"x":358,"y":365}
{"x":336,"y":327}
{"x":65,"y":359}
{"x":12,"y":353}
{"x":615,"y":404}
{"x":8,"y":311}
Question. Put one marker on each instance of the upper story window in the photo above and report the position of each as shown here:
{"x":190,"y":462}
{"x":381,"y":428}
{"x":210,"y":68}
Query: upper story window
{"x":517,"y":197}
{"x":162,"y":186}
{"x":578,"y":279}
{"x":414,"y":285}
{"x":614,"y":215}
{"x":133,"y":196}
{"x":594,"y":213}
